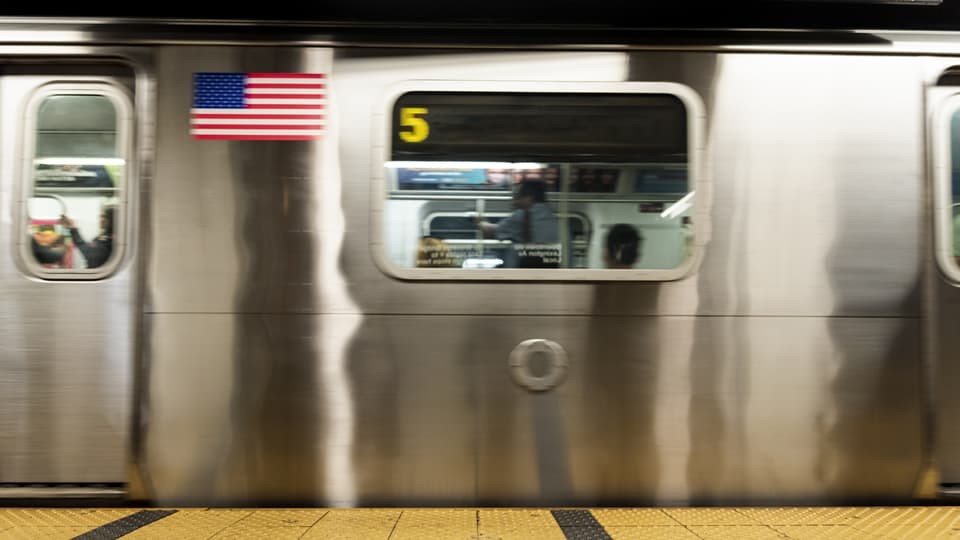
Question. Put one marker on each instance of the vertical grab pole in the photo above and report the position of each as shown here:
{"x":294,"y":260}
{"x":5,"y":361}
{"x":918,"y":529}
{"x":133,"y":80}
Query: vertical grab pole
{"x":481,"y":207}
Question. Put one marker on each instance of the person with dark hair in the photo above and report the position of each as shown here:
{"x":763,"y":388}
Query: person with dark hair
{"x":97,"y":251}
{"x":532,"y":223}
{"x":623,"y":246}
{"x":48,"y":253}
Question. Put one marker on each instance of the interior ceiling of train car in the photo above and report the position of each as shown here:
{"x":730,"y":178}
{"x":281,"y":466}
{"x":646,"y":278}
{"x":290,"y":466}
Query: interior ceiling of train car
{"x":494,"y":14}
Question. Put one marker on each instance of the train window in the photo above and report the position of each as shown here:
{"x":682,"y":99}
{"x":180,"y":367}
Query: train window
{"x":77,"y":160}
{"x":552,"y":181}
{"x":947,"y":192}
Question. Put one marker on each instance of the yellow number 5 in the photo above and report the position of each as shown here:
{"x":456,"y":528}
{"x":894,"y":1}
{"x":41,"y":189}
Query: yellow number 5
{"x":410,"y":117}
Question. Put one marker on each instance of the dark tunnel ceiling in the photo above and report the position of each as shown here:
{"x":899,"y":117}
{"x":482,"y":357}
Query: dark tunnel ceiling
{"x":628,"y":14}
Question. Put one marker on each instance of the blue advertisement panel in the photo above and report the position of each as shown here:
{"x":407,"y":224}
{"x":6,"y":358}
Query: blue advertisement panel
{"x":660,"y":180}
{"x":461,"y":179}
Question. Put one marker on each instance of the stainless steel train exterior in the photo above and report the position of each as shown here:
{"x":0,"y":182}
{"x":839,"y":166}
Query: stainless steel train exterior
{"x":248,"y":345}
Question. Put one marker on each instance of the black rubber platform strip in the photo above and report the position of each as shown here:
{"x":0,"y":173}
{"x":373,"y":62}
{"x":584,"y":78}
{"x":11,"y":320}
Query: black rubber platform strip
{"x":579,"y":525}
{"x":122,"y":526}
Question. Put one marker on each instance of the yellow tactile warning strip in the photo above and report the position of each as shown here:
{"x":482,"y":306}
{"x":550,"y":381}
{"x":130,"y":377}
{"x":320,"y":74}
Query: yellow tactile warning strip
{"x":360,"y":523}
{"x":195,"y":523}
{"x":496,"y":523}
{"x":56,"y":523}
{"x":125,"y":525}
{"x":517,"y":524}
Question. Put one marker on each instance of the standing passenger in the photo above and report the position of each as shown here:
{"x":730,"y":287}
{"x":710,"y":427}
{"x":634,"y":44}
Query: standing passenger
{"x":533,"y":222}
{"x":97,"y":251}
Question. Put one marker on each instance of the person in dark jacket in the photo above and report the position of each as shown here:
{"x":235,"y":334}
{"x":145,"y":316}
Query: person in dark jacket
{"x":49,"y":254}
{"x":97,"y":251}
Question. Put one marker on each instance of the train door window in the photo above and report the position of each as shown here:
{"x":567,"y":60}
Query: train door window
{"x":551,"y":181}
{"x":77,"y":159}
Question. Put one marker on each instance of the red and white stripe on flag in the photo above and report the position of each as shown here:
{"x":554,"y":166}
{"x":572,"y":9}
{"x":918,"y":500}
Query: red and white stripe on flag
{"x":258,"y":106}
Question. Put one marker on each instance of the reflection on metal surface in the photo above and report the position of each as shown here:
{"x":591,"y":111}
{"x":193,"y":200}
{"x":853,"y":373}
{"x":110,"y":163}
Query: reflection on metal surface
{"x":61,"y":492}
{"x":678,"y":207}
{"x":522,"y":357}
{"x":285,"y":366}
{"x":340,"y":489}
{"x":66,"y":349}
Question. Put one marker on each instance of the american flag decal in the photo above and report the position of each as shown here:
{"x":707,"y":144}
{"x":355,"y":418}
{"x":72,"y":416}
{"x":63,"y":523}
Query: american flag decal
{"x":258,"y":106}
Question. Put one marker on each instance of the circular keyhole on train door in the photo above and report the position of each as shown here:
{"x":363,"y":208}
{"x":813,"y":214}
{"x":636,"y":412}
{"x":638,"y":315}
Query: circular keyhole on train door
{"x":538,"y":364}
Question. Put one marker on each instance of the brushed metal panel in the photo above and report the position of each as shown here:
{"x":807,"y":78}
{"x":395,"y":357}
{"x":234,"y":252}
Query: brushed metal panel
{"x":942,"y":308}
{"x":674,"y":410}
{"x":810,"y":185}
{"x":66,"y":348}
{"x":231,"y":211}
{"x":284,"y":367}
{"x":259,"y":419}
{"x":946,"y":378}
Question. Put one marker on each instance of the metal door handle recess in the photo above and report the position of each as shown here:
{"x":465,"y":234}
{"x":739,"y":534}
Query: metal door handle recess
{"x":520,"y":364}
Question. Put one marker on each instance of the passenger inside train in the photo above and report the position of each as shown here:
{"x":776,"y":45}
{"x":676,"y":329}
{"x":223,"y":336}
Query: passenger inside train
{"x":623,"y":246}
{"x":568,"y":224}
{"x":530,"y":180}
{"x":434,"y":253}
{"x":97,"y":251}
{"x":78,"y":148}
{"x":47,"y":246}
{"x":532,"y":228}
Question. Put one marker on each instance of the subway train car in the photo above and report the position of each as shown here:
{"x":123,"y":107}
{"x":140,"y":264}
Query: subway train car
{"x":322,"y":264}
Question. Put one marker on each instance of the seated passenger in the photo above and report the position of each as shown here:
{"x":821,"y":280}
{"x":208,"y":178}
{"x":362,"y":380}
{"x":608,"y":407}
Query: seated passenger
{"x":434,"y":253}
{"x":532,"y":227}
{"x":622,"y":246}
{"x":47,"y":247}
{"x":97,"y":251}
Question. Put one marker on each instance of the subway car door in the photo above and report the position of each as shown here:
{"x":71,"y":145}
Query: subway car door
{"x":68,"y":288}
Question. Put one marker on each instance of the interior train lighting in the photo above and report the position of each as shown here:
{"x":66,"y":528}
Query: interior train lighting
{"x":678,"y":207}
{"x":446,"y":165}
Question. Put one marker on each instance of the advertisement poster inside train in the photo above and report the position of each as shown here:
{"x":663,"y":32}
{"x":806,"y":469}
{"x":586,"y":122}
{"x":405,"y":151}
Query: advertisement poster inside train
{"x":439,"y":179}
